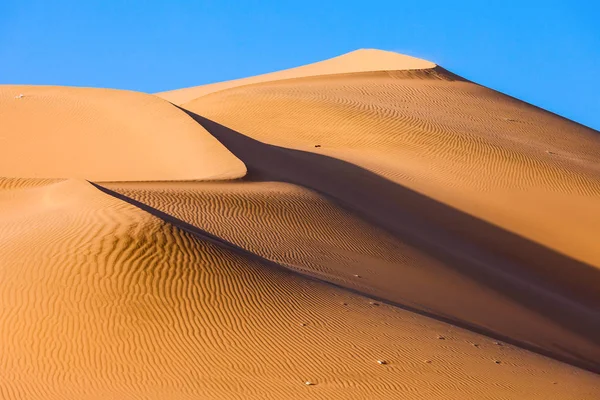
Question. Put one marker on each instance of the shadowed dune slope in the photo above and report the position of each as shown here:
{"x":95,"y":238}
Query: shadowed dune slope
{"x":104,"y":300}
{"x":355,"y":61}
{"x":103,"y":134}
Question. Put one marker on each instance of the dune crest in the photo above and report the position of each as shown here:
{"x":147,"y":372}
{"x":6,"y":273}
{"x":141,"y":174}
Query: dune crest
{"x":363,"y":60}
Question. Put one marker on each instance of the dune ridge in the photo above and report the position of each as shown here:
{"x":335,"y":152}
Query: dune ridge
{"x":356,"y":61}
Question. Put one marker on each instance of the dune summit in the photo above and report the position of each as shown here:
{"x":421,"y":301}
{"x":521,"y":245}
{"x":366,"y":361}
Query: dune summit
{"x":368,"y":226}
{"x":363,"y":60}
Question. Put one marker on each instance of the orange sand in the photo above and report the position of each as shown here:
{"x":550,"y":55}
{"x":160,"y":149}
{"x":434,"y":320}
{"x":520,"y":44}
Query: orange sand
{"x":388,"y":210}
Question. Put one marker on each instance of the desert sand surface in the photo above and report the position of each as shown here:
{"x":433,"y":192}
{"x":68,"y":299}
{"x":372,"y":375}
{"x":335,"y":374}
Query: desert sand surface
{"x":371,"y":226}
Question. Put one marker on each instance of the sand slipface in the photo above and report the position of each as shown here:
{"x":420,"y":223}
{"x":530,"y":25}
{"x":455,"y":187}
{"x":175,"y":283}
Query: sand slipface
{"x":104,"y":135}
{"x":399,"y":232}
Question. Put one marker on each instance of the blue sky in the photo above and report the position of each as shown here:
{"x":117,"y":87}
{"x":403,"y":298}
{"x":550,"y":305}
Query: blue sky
{"x":544,"y":52}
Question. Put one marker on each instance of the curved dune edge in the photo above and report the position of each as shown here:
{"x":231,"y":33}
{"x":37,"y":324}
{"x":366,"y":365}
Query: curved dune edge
{"x":105,"y":135}
{"x":356,"y":61}
{"x":133,"y":307}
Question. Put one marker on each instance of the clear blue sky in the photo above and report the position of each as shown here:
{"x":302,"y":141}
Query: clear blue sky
{"x":544,"y":52}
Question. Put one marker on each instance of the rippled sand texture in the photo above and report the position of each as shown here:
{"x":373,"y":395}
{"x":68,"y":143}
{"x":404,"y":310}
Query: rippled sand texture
{"x":104,"y":300}
{"x":371,"y":226}
{"x":310,"y":233}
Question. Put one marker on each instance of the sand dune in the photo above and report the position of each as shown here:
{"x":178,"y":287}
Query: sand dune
{"x":371,"y":207}
{"x":357,"y":61}
{"x":105,"y":135}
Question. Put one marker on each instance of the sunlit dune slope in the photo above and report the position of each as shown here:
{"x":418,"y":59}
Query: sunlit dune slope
{"x":103,"y":300}
{"x":104,"y":135}
{"x":355,"y":61}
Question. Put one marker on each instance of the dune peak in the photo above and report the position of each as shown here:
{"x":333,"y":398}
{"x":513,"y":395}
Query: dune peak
{"x":363,"y":60}
{"x":357,"y":61}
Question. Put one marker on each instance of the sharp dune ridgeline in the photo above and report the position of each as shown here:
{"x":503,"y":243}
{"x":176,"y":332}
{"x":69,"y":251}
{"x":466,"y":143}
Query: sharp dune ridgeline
{"x":368,"y":226}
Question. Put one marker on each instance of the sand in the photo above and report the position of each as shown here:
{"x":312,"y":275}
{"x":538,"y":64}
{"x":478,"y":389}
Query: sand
{"x":372,"y":225}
